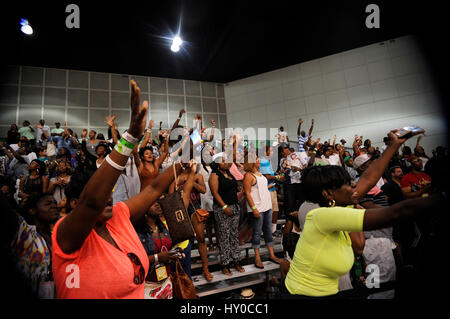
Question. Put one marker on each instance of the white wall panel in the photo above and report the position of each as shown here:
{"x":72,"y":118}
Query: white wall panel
{"x":366,"y":91}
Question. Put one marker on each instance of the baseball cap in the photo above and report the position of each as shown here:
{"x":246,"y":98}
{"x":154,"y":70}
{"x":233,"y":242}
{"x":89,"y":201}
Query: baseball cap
{"x":360,"y":160}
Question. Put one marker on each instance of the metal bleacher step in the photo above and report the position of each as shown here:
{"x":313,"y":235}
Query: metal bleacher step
{"x":214,"y":259}
{"x":195,"y":253}
{"x":222,"y":282}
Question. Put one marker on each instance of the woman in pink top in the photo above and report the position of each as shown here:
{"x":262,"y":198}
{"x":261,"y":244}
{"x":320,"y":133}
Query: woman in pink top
{"x":96,"y":251}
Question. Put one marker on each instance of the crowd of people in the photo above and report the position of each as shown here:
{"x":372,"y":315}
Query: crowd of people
{"x":83,"y":218}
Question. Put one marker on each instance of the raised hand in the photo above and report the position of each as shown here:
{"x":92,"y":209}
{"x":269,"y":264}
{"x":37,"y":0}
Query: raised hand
{"x":312,"y":121}
{"x":182,"y":111}
{"x":138,"y":113}
{"x":300,"y":121}
{"x":110,"y":120}
{"x":84,"y":133}
{"x":150,"y":125}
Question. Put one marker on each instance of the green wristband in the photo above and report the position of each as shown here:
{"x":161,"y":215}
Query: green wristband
{"x":126,"y":143}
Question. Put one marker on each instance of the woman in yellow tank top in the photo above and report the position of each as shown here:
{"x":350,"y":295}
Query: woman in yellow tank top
{"x":323,"y":252}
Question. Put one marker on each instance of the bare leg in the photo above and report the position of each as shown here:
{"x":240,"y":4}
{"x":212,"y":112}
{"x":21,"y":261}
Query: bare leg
{"x":258,"y":262}
{"x":272,"y":255}
{"x":284,"y":268}
{"x":209,"y":232}
{"x":274,"y":221}
{"x":200,"y":236}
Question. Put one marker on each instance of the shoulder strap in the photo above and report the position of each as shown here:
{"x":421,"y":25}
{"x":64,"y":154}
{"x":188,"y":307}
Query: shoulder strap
{"x":175,"y":176}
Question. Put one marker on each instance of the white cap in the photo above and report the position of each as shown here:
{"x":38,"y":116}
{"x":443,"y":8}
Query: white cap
{"x":360,"y":160}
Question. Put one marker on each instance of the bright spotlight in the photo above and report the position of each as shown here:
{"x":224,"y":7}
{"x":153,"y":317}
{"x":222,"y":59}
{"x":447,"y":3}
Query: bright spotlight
{"x":26,"y":28}
{"x":177,"y":40}
{"x":176,"y":43}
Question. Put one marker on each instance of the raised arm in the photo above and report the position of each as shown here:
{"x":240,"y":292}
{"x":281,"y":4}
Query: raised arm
{"x":147,"y":135}
{"x":75,"y":228}
{"x":300,"y":121}
{"x":164,"y":151}
{"x":110,"y":121}
{"x":311,"y":128}
{"x":175,"y":124}
{"x":371,"y":176}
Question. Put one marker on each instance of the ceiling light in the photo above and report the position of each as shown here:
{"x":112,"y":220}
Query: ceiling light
{"x":177,"y":40}
{"x":176,"y":43}
{"x":26,"y":28}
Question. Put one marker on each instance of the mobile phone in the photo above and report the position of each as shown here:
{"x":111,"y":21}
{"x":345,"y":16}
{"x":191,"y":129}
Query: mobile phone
{"x":409,"y":131}
{"x":195,"y":137}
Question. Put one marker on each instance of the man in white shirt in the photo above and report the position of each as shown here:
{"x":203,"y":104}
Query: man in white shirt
{"x":282,"y":137}
{"x":42,"y":133}
{"x":331,"y":157}
{"x":292,"y":166}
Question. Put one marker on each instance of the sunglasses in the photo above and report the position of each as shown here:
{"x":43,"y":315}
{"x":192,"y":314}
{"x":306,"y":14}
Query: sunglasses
{"x":139,"y":276}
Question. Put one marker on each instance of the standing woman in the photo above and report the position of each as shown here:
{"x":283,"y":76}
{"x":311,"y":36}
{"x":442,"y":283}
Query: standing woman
{"x":148,"y":165}
{"x":92,"y":142}
{"x":35,"y":183}
{"x":192,"y":204}
{"x":207,"y":201}
{"x":224,"y":188}
{"x":96,"y":241}
{"x":259,"y":202}
{"x":58,"y":184}
{"x":102,"y":151}
{"x":30,"y":242}
{"x":324,"y":250}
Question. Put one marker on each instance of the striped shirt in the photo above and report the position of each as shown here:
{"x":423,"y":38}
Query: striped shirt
{"x":377,"y":196}
{"x":301,"y":141}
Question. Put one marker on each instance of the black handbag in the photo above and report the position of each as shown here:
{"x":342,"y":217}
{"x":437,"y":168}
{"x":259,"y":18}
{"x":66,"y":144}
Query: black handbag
{"x":177,"y":217}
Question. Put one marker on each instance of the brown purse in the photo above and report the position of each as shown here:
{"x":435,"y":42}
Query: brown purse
{"x":177,"y":218}
{"x":202,"y":214}
{"x":183,"y":287}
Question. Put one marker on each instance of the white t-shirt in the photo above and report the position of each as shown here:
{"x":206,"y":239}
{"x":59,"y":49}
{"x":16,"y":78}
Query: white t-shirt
{"x":296,"y":159}
{"x":282,"y":136}
{"x":333,"y":159}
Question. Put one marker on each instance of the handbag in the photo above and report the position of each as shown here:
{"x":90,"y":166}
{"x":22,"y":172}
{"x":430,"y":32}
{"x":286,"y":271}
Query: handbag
{"x":177,"y":218}
{"x":183,"y":287}
{"x":202,"y":214}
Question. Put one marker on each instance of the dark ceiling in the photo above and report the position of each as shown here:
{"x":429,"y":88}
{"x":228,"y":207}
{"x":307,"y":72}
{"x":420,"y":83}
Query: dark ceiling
{"x":225,"y":40}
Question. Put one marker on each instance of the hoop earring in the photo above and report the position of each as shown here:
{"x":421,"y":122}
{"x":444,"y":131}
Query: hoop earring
{"x":331,"y":203}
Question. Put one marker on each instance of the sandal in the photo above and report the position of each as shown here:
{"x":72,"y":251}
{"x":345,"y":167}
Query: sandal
{"x":274,"y":260}
{"x":260,"y":266}
{"x":226,"y":271}
{"x":208,"y":276}
{"x":239,"y":268}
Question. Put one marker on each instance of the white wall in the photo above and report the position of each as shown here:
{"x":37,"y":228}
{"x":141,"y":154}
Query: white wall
{"x":366,"y":91}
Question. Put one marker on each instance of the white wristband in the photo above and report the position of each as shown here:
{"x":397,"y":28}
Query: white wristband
{"x":130,"y":138}
{"x":156,"y":258}
{"x":114,"y":164}
{"x":123,"y":149}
